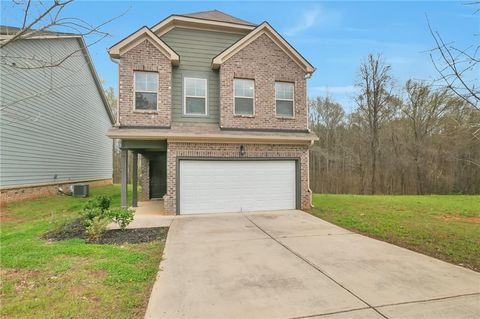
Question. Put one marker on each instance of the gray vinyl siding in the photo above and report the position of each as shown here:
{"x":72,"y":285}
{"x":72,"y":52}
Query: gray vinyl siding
{"x":53,"y":121}
{"x":197,"y":49}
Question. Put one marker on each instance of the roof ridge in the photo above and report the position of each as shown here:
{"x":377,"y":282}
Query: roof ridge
{"x":205,"y":15}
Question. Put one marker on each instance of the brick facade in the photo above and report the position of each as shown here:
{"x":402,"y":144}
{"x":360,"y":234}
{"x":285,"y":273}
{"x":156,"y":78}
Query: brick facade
{"x":232,"y":150}
{"x":144,"y":180}
{"x":10,"y":195}
{"x":263,"y":61}
{"x":144,"y":57}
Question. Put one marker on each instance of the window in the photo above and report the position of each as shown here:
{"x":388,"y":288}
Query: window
{"x":284,"y":99}
{"x":244,"y":94}
{"x":146,"y":87}
{"x":195,"y":93}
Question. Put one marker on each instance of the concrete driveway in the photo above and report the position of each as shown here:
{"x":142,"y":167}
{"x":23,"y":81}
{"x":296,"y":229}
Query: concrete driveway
{"x":289,"y":264}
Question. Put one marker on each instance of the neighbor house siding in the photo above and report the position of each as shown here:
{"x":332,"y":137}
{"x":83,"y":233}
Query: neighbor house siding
{"x":53,"y":121}
{"x":197,"y":48}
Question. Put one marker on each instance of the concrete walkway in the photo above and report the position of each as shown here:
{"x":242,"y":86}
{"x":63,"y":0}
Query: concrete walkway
{"x":290,"y":264}
{"x":148,"y":214}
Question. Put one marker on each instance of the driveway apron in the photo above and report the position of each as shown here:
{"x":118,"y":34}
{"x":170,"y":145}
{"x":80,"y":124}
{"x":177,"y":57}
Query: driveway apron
{"x":289,"y":264}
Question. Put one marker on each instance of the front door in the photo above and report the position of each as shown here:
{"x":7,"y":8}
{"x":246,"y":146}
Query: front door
{"x":158,"y":176}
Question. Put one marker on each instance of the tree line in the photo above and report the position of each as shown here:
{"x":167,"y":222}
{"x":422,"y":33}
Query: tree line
{"x":421,"y":139}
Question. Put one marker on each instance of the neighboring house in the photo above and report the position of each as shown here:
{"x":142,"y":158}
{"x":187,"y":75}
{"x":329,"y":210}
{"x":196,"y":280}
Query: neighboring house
{"x":54,"y":116}
{"x":217,"y":108}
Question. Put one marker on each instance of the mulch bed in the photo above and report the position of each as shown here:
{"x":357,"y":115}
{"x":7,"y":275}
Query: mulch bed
{"x":76,"y":229}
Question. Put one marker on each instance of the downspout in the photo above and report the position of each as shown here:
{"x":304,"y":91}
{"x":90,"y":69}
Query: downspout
{"x":117,"y":62}
{"x":308,"y":76}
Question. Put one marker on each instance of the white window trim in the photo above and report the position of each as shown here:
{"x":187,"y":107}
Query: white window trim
{"x":244,"y":97}
{"x":135,"y":91}
{"x":292,"y":100}
{"x":185,"y":97}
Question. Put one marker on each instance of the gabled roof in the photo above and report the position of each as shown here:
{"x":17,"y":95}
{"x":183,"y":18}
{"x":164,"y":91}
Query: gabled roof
{"x":216,"y":15}
{"x":266,"y":29}
{"x":138,"y":36}
{"x":8,"y":32}
{"x":209,"y":20}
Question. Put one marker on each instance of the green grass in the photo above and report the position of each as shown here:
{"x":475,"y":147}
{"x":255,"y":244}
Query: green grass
{"x":443,"y":226}
{"x":70,"y":279}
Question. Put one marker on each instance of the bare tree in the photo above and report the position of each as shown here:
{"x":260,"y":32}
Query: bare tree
{"x":374,"y":103}
{"x":423,"y":110}
{"x":326,"y":116}
{"x":41,"y":18}
{"x":45,"y":20}
{"x":458,"y":68}
{"x":427,"y":147}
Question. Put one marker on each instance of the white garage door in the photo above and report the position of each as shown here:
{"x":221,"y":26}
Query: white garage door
{"x":236,"y":186}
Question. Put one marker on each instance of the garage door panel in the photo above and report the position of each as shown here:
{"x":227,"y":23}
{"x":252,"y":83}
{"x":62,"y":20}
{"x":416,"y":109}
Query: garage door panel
{"x":234,"y":186}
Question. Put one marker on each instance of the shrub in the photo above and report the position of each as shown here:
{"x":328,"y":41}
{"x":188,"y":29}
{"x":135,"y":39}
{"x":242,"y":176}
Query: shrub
{"x":96,"y":227}
{"x":97,"y":214}
{"x":101,"y":202}
{"x":121,"y":216}
{"x":89,"y":214}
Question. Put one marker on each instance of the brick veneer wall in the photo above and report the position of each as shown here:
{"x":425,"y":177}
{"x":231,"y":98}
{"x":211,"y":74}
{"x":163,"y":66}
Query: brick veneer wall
{"x":144,"y":57}
{"x":144,"y":178}
{"x":232,"y":150}
{"x":263,"y":61}
{"x":10,"y":195}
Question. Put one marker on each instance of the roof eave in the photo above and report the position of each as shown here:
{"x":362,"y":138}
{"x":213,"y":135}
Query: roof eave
{"x":173,"y":20}
{"x":96,"y":79}
{"x":115,"y":51}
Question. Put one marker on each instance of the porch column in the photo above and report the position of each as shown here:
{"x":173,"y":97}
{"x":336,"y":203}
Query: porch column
{"x":124,"y":176}
{"x":134,"y":179}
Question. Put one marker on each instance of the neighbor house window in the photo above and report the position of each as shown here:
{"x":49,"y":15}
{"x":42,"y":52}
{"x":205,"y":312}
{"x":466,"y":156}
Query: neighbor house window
{"x":244,"y":94}
{"x":195,"y":93}
{"x":284,"y":99}
{"x":146,"y":87}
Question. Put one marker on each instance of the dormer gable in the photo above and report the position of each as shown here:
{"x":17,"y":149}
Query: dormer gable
{"x":142,"y":34}
{"x":269,"y":31}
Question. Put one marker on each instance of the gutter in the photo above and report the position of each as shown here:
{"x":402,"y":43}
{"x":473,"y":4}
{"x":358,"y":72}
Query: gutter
{"x":117,"y":62}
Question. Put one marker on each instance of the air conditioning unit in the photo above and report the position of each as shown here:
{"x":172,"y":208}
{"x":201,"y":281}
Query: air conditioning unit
{"x":80,"y":190}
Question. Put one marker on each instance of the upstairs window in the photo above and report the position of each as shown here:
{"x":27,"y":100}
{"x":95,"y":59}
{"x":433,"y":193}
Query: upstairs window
{"x":244,"y":92}
{"x":146,"y":88}
{"x":284,"y":99}
{"x":195,"y":96}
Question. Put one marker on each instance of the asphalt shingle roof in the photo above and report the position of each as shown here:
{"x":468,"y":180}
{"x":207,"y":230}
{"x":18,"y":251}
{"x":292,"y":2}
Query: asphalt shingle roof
{"x":216,"y":15}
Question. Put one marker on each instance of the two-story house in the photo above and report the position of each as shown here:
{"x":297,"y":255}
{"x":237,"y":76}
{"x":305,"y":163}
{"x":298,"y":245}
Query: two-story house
{"x":217,"y":109}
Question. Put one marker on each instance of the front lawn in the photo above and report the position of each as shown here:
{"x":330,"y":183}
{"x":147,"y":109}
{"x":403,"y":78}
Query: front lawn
{"x":443,"y":226}
{"x":70,"y":279}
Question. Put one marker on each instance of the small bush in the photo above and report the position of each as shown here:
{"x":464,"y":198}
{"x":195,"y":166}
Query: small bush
{"x":97,"y":214}
{"x":121,"y":216}
{"x":101,"y":202}
{"x":104,"y":202}
{"x":88,"y":214}
{"x":96,"y":227}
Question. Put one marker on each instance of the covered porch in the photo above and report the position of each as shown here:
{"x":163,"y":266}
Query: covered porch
{"x":148,"y":175}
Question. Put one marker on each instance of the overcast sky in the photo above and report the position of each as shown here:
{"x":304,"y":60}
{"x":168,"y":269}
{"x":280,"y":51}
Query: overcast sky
{"x":333,"y":36}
